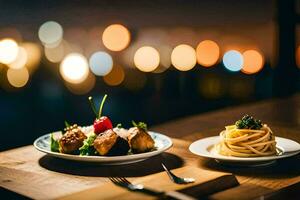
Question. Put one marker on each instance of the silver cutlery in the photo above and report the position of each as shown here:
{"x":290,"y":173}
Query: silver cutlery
{"x":123,"y":182}
{"x":176,"y":179}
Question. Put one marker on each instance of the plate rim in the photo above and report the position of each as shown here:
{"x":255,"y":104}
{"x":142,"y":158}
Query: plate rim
{"x":207,"y":154}
{"x":105,"y":158}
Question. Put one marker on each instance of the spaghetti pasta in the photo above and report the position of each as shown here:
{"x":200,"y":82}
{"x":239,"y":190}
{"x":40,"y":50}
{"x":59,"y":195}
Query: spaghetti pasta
{"x":247,"y":142}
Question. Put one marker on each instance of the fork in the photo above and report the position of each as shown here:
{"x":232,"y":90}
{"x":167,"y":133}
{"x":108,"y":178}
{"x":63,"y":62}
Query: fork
{"x":123,"y":182}
{"x":176,"y":179}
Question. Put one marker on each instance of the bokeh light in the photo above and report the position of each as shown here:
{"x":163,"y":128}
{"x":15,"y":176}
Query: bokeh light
{"x":8,"y":51}
{"x":55,"y":54}
{"x":208,"y":53}
{"x":74,"y":68}
{"x":20,"y":60}
{"x":116,"y":37}
{"x":84,"y":87}
{"x":50,"y":33}
{"x":146,"y":59}
{"x":115,"y":77}
{"x":33,"y":52}
{"x":253,"y":62}
{"x":233,"y":60}
{"x":18,"y":77}
{"x":183,"y":57}
{"x":101,"y":63}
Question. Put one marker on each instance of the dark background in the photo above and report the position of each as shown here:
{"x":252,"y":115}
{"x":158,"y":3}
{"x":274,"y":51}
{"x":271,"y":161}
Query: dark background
{"x":45,"y":102}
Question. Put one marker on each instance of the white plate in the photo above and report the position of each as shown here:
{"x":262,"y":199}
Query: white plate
{"x":205,"y":148}
{"x":162,"y":143}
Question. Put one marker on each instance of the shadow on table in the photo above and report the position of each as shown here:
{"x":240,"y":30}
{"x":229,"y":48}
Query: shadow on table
{"x":283,"y":168}
{"x":149,"y":166}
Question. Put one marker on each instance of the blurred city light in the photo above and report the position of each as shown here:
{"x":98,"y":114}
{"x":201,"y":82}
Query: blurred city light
{"x":84,"y":87}
{"x":115,"y":77}
{"x":101,"y":63}
{"x":8,"y":51}
{"x":233,"y":60}
{"x":253,"y":62}
{"x":183,"y":57}
{"x":55,"y":54}
{"x":18,"y":77}
{"x":146,"y":59}
{"x":50,"y":33}
{"x":33,"y":52}
{"x":74,"y":68}
{"x":20,"y":60}
{"x":208,"y":53}
{"x":116,"y":37}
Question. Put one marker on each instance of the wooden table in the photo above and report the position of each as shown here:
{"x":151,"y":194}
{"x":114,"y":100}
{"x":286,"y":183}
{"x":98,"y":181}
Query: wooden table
{"x":29,"y":172}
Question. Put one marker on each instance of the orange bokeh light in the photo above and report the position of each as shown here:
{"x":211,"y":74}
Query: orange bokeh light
{"x":115,"y":77}
{"x":208,"y":53}
{"x":116,"y":37}
{"x":253,"y":62}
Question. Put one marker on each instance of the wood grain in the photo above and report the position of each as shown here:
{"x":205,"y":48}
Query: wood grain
{"x":31,"y":173}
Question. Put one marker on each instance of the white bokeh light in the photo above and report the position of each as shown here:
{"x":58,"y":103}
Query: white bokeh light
{"x":20,"y":60}
{"x":233,"y":60}
{"x":146,"y":59}
{"x":101,"y":63}
{"x":8,"y":51}
{"x":74,"y":68}
{"x":183,"y":57}
{"x":50,"y":33}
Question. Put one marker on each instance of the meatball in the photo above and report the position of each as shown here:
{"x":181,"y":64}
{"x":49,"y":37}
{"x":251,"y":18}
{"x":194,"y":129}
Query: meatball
{"x":139,"y":140}
{"x":111,"y":144}
{"x":72,"y":140}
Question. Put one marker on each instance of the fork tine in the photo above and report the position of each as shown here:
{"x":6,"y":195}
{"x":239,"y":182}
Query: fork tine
{"x":125,"y":180}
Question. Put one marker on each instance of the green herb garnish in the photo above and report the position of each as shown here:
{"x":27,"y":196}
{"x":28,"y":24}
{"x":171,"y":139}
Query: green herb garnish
{"x":87,"y":148}
{"x":119,"y":125}
{"x":54,"y":145}
{"x":67,"y":125}
{"x":140,"y":125}
{"x":248,"y":122}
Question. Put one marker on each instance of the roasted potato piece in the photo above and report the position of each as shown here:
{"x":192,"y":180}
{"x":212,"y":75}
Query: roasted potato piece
{"x":72,"y":140}
{"x":139,"y":140}
{"x":110,"y":143}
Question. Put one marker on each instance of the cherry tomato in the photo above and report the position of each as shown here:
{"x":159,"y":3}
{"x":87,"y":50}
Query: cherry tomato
{"x":102,"y":124}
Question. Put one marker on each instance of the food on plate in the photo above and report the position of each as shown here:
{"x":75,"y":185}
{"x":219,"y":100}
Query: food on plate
{"x":102,"y":139}
{"x":72,"y":140}
{"x":110,"y":143}
{"x":248,"y":137}
{"x":101,"y":123}
{"x":139,"y":139}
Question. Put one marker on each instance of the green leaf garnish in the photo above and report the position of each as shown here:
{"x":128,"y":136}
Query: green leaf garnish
{"x":54,"y":145}
{"x":140,"y":125}
{"x":248,"y":122}
{"x":87,"y":149}
{"x":119,"y":125}
{"x":67,"y":125}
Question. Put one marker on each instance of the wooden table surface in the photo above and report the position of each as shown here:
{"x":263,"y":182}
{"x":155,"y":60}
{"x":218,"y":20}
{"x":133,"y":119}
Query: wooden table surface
{"x":30,"y":173}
